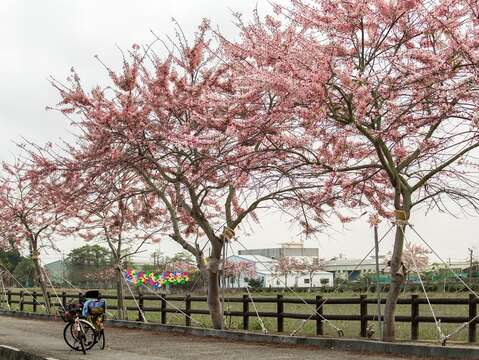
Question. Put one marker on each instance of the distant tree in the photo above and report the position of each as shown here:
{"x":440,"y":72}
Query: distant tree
{"x":10,"y":258}
{"x":235,"y":270}
{"x":182,"y":261}
{"x":89,"y":255}
{"x":25,"y":272}
{"x":415,"y":257}
{"x":148,"y":267}
{"x":183,"y":257}
{"x":107,"y":274}
{"x":285,"y":266}
{"x":84,"y":262}
{"x":414,"y":260}
{"x":310,"y":266}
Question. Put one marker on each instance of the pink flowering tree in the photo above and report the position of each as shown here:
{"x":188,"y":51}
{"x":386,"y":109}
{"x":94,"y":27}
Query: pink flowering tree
{"x":235,"y":270}
{"x":187,"y":128}
{"x":231,"y":272}
{"x":390,"y":87}
{"x":182,"y":266}
{"x":286,"y":266}
{"x":106,"y":275}
{"x":120,"y":213}
{"x":310,"y":266}
{"x":416,"y":258}
{"x":28,"y":218}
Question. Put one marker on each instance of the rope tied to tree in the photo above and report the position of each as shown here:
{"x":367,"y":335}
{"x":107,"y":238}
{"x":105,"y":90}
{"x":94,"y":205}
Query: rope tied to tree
{"x":263,"y":328}
{"x":437,"y":322}
{"x":35,"y":255}
{"x":131,"y":292}
{"x":315,"y":312}
{"x":462,"y":326}
{"x":338,"y":286}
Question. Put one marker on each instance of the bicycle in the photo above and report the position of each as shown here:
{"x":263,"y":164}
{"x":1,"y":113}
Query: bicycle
{"x":81,"y":334}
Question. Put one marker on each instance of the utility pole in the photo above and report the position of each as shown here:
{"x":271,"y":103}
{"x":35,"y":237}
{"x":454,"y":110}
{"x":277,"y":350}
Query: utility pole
{"x":63,"y":268}
{"x":378,"y":290}
{"x":470,"y":265}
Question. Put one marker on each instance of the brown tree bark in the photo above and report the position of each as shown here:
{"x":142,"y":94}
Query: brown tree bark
{"x":41,"y":281}
{"x":397,"y":279}
{"x":214,"y":299}
{"x":122,"y":313}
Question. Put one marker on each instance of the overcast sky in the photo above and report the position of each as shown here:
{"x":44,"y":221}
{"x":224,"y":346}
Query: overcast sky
{"x":48,"y":37}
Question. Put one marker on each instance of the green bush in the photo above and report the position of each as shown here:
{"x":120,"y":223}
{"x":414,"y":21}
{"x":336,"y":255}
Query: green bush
{"x":256,"y":284}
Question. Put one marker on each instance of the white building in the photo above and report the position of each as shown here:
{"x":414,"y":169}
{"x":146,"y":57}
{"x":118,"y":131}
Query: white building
{"x":287,"y":249}
{"x":265,"y":271}
{"x":352,"y":269}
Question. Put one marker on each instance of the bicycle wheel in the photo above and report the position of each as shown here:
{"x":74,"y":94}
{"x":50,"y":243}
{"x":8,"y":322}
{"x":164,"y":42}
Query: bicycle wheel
{"x":72,"y":337}
{"x":101,"y":339}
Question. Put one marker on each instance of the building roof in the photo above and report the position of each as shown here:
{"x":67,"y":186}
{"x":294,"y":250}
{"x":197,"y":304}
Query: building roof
{"x":254,"y":258}
{"x":265,"y":265}
{"x":342,"y":261}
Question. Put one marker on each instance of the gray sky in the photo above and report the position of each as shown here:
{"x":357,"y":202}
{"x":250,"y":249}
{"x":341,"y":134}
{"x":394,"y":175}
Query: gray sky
{"x":42,"y":38}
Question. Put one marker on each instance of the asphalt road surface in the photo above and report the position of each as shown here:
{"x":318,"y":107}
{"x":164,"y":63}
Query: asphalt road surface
{"x":46,"y":338}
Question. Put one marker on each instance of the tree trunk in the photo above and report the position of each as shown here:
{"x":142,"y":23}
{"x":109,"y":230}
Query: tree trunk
{"x":122,"y":313}
{"x":214,"y":301}
{"x":41,"y":282}
{"x":397,"y":279}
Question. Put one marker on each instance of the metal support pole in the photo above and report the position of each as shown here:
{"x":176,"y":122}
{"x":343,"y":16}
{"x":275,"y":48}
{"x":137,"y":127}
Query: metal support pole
{"x":470,"y":265}
{"x":378,"y":290}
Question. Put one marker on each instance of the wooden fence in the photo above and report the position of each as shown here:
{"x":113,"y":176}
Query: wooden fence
{"x":22,"y":298}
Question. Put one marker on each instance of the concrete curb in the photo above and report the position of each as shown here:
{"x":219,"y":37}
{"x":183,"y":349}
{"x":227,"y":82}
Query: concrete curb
{"x":354,"y":345}
{"x":11,"y":353}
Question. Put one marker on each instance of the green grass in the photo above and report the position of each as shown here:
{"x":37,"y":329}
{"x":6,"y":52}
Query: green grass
{"x":427,"y":331}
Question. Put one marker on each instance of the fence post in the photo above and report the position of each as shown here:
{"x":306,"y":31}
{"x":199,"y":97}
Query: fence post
{"x":141,"y":307}
{"x":472,"y":315}
{"x":414,"y":317}
{"x":64,"y":299}
{"x":9,"y":298}
{"x":163,"y":309}
{"x":279,"y":312}
{"x":245,"y":312}
{"x":363,"y":308}
{"x":21,"y":300}
{"x":34,"y":301}
{"x":188,"y":310}
{"x":319,"y":311}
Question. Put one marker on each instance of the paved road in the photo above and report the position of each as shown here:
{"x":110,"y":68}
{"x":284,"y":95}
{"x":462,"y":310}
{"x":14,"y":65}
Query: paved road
{"x":46,"y":338}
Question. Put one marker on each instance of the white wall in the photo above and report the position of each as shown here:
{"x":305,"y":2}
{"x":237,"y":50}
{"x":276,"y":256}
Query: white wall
{"x":294,"y":280}
{"x":298,"y":280}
